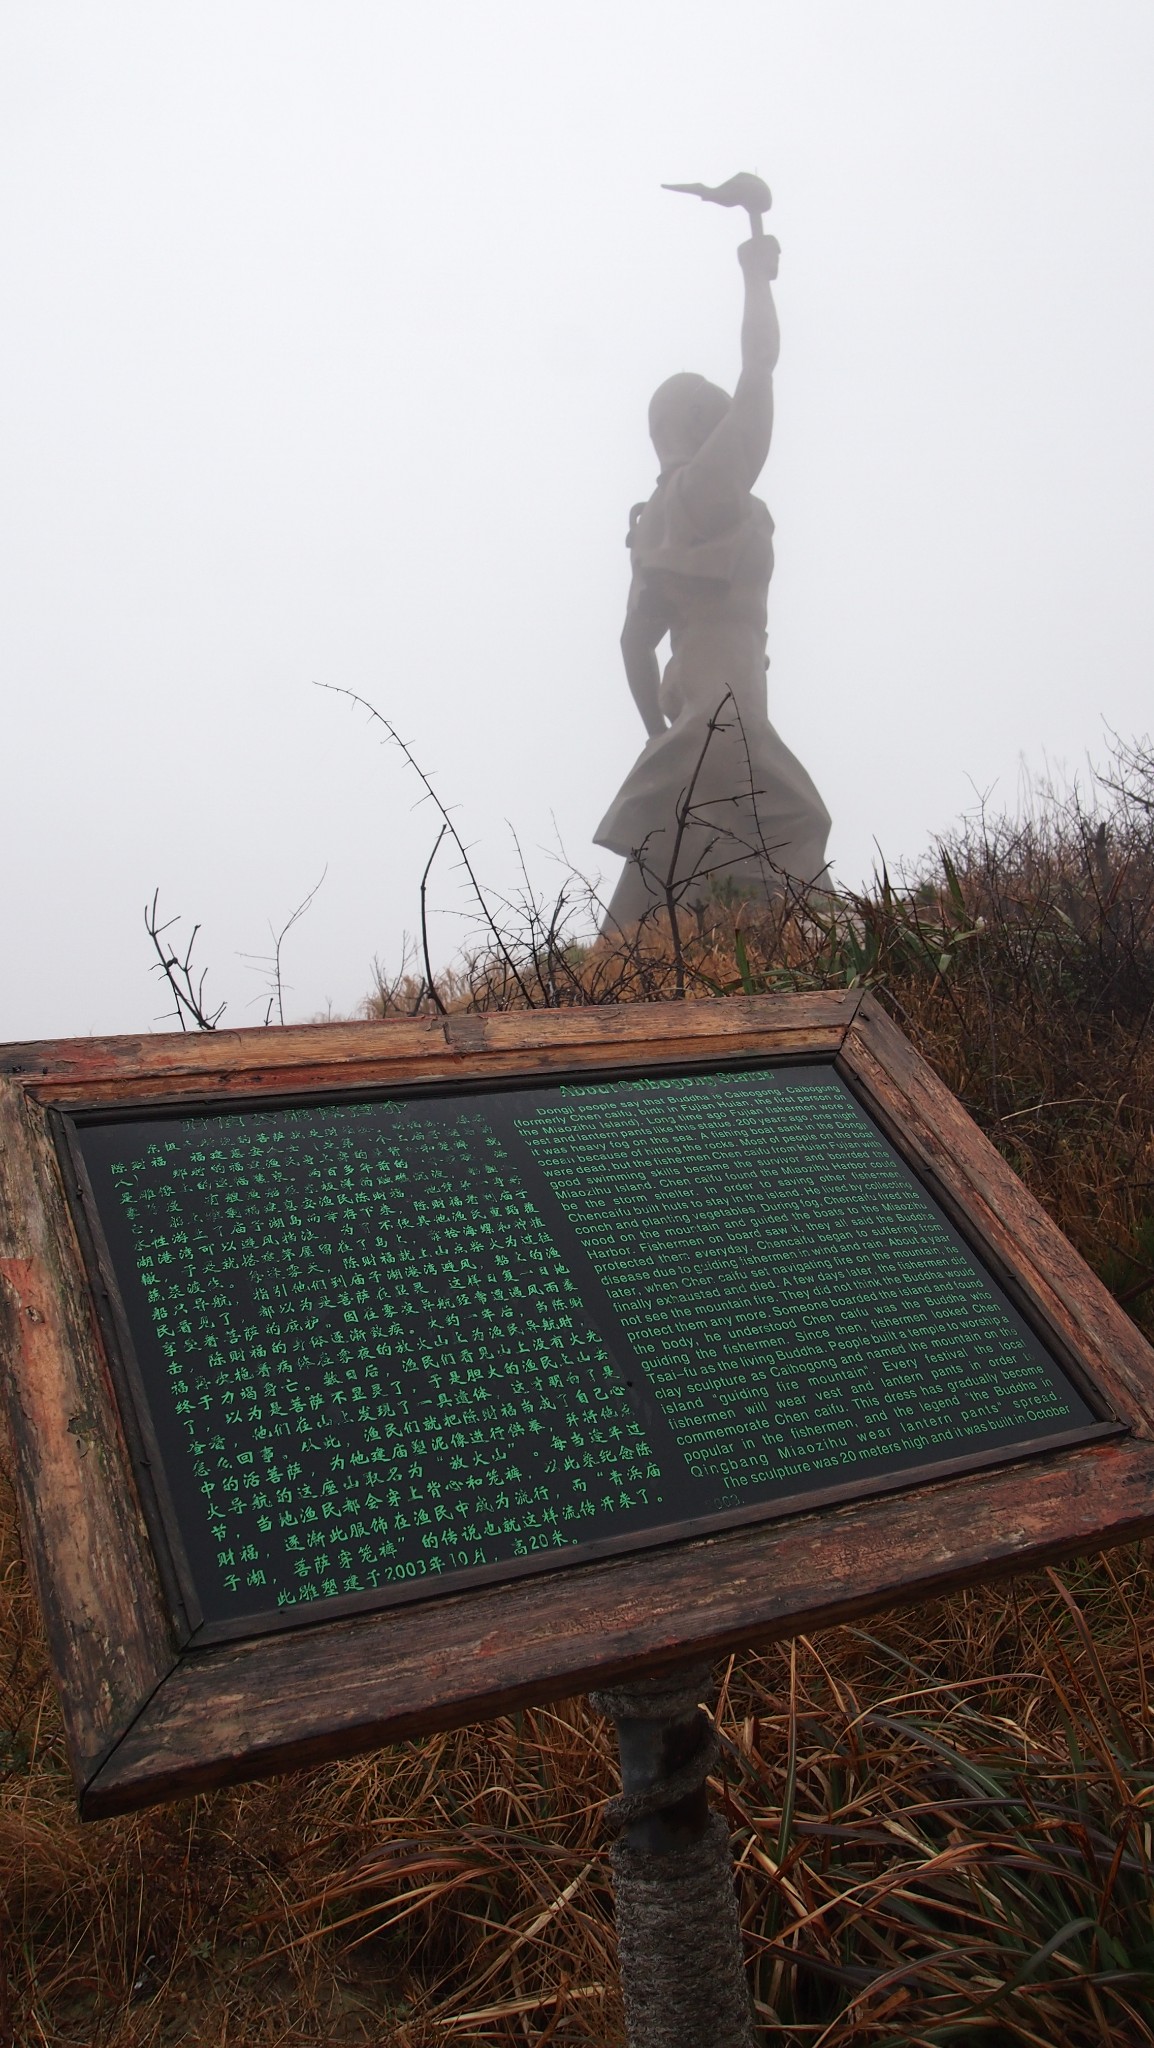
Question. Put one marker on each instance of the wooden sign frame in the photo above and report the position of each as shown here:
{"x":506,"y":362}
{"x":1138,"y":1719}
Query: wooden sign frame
{"x":146,"y":1721}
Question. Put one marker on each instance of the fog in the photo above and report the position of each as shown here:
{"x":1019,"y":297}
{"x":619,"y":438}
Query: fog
{"x":328,"y":341}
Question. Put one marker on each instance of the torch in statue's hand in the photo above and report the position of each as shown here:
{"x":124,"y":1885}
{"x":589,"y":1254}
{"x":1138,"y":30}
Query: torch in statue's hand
{"x":745,"y":189}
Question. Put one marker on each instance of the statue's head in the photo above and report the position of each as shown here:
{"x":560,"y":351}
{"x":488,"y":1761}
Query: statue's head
{"x":682,"y":415}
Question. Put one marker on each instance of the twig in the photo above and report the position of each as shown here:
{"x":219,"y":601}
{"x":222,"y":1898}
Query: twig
{"x":430,"y":984}
{"x":273,"y":959}
{"x":682,"y":816}
{"x":338,"y":690}
{"x":178,"y":973}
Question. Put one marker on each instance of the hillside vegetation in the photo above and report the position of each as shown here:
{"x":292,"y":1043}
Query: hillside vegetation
{"x":942,"y":1820}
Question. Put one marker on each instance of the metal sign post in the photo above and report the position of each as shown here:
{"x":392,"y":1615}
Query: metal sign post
{"x":682,"y":1969}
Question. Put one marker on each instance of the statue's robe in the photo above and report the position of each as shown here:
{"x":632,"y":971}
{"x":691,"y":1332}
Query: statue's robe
{"x":702,"y":560}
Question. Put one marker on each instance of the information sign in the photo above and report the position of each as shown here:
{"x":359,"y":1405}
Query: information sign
{"x":381,"y":1343}
{"x":366,"y":1379}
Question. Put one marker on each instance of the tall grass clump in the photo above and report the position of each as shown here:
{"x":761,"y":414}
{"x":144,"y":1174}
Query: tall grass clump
{"x":942,"y":1820}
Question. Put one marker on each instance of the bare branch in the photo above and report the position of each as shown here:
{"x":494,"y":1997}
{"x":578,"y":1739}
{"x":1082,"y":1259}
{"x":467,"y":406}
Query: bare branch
{"x":338,"y":690}
{"x":430,"y":984}
{"x":271,"y":962}
{"x":186,"y":989}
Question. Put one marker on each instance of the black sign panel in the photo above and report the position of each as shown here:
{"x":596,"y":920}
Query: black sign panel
{"x":375,"y":1346}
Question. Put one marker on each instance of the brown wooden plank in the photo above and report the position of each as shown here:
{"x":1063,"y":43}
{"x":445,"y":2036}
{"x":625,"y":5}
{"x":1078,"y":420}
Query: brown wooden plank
{"x":436,"y":1064}
{"x":630,"y":1024}
{"x":213,"y":1053}
{"x":84,"y":1535}
{"x":528,"y":1043}
{"x":213,"y":1057}
{"x":962,"y":1161}
{"x":208,"y":1051}
{"x":435,"y":1067}
{"x":303,"y":1697}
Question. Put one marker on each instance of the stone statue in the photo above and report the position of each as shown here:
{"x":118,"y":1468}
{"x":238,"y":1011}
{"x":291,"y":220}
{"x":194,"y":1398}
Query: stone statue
{"x":715,"y":804}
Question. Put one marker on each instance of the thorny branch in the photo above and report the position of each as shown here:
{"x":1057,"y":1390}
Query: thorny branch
{"x":430,"y":984}
{"x":339,"y":690}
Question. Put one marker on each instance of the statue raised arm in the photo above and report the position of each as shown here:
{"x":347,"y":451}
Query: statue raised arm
{"x":717,"y":447}
{"x":702,"y":552}
{"x":728,"y":463}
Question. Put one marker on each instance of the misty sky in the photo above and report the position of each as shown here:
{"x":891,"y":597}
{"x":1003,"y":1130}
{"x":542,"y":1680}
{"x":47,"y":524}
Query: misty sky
{"x":327,"y":341}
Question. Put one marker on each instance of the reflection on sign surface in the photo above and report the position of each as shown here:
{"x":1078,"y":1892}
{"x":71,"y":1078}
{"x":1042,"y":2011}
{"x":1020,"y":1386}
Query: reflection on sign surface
{"x":381,"y":1342}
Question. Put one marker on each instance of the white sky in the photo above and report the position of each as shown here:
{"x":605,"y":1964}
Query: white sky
{"x":328,"y":339}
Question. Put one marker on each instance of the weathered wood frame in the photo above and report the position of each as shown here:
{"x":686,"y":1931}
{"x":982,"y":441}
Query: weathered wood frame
{"x":146,"y":1722}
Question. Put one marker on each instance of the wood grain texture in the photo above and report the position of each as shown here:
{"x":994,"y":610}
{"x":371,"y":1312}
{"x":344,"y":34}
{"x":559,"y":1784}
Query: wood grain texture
{"x":218,"y":1064}
{"x":84,"y":1536}
{"x":254,"y":1708}
{"x":940,"y":1138}
{"x":785,"y":1019}
{"x":210,"y":1052}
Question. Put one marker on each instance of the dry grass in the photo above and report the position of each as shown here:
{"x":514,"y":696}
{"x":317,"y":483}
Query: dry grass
{"x":943,"y":1821}
{"x":943,"y":1826}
